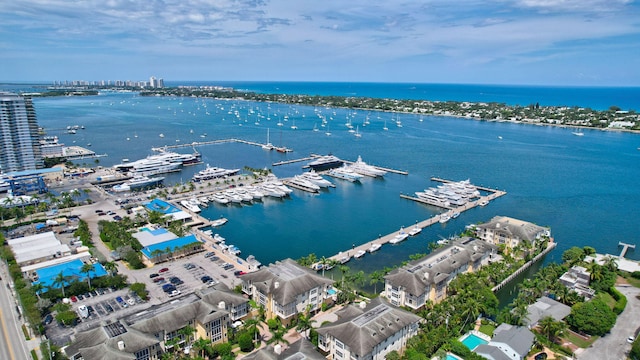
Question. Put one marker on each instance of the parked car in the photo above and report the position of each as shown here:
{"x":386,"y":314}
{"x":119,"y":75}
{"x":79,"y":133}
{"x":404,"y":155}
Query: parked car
{"x":154,"y":275}
{"x":48,"y":319}
{"x":163,"y":270}
{"x":631,"y":339}
{"x":206,"y":278}
{"x":175,"y":280}
{"x":209,"y":254}
{"x":238,"y":272}
{"x":158,"y":279}
{"x":73,"y":299}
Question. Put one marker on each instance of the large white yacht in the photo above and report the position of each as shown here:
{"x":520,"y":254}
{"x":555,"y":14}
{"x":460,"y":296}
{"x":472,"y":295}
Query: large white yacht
{"x":300,"y":183}
{"x":138,"y":182}
{"x":363,"y":168}
{"x":213,"y":173}
{"x":191,"y":204}
{"x":315,"y":178}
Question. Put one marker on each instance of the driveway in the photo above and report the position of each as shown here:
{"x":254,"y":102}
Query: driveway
{"x":614,"y":345}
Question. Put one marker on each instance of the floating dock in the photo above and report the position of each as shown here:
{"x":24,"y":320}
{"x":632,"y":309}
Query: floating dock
{"x":384,"y":239}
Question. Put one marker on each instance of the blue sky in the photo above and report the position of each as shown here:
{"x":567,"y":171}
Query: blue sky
{"x":528,"y":42}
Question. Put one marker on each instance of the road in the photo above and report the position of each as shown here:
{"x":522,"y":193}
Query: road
{"x":12,"y":342}
{"x":614,"y":345}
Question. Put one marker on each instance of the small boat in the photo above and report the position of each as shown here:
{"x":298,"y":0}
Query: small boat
{"x":317,"y":267}
{"x":415,"y":231}
{"x":161,"y":135}
{"x":345,"y":259}
{"x":219,"y":222}
{"x":455,"y":214}
{"x":359,"y":254}
{"x":374,"y":247}
{"x":578,"y":133}
{"x":218,"y":238}
{"x":483,"y":202}
{"x":444,"y":218}
{"x":401,"y":236}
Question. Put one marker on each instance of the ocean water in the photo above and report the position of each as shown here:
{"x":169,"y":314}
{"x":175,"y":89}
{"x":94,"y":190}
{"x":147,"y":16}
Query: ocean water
{"x":585,"y":188}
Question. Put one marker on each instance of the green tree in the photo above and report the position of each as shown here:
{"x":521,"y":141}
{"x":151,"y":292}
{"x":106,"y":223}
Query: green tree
{"x":60,"y":281}
{"x":245,"y":342}
{"x":376,"y":277}
{"x":593,"y":317}
{"x":87,"y":269}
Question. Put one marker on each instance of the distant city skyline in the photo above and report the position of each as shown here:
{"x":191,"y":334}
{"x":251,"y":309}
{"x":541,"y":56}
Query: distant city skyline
{"x":520,"y":42}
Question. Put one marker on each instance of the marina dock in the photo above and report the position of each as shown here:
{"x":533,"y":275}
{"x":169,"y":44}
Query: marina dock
{"x":625,"y":247}
{"x":384,"y":239}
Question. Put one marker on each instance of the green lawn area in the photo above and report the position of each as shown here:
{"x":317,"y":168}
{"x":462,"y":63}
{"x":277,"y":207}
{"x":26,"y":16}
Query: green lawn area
{"x":578,"y":340}
{"x":608,"y":299}
{"x":633,"y":281}
{"x":487,"y":329}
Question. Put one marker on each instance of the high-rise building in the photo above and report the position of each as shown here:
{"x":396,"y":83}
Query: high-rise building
{"x":19,"y":145}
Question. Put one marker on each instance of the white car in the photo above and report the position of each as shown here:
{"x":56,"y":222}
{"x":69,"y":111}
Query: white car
{"x":631,"y":339}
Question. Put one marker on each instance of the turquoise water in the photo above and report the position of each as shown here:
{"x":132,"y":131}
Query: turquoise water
{"x":472,"y":341}
{"x":584,"y":188}
{"x":452,"y":357}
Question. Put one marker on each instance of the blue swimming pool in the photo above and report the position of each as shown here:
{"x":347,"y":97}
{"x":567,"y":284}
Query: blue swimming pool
{"x":331,"y":291}
{"x":472,"y":341}
{"x":452,"y":357}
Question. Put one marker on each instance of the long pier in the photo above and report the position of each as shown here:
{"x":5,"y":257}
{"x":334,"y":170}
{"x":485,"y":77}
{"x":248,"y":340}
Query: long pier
{"x":381,"y":240}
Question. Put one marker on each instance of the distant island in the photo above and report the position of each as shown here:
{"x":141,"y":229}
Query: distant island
{"x":614,"y":118}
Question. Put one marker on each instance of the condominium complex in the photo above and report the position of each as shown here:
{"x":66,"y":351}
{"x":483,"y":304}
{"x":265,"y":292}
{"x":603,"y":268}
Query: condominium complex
{"x":426,"y":279}
{"x":510,"y":232}
{"x":286,"y":289}
{"x":19,"y":140}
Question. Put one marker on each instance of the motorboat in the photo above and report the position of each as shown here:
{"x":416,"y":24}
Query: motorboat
{"x":455,"y":214}
{"x":219,"y":222}
{"x":191,"y":205}
{"x":233,"y":196}
{"x":317,"y":267}
{"x":345,"y":173}
{"x":219,"y":198}
{"x":444,"y":218}
{"x":415,"y":230}
{"x":345,"y":259}
{"x":359,"y":254}
{"x":374,"y":247}
{"x":218,"y":238}
{"x":401,"y":236}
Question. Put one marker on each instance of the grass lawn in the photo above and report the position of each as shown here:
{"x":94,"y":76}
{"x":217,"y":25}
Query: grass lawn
{"x":633,"y":281}
{"x":578,"y":340}
{"x":608,"y":299}
{"x":487,"y":329}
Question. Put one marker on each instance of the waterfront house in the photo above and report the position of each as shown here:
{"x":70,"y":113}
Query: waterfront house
{"x":577,"y":279}
{"x":510,"y":232}
{"x":367,"y":331}
{"x":509,"y":343}
{"x":426,"y":279}
{"x":544,"y":307}
{"x":286,"y":289}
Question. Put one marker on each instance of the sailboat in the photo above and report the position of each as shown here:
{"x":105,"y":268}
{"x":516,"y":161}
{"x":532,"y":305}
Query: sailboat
{"x":315,"y":127}
{"x":268,"y":145}
{"x":385,"y":125}
{"x":357,"y":133}
{"x":294,"y":127}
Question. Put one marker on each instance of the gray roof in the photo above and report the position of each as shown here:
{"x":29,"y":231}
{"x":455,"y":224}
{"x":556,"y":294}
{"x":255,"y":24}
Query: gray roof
{"x":215,"y":297}
{"x":178,"y":318}
{"x":490,"y":352}
{"x":436,"y":267}
{"x":133,"y":339}
{"x":104,"y":352}
{"x":285,"y":280}
{"x":519,"y":338}
{"x":546,"y":307}
{"x":361,"y":329}
{"x":299,"y":350}
{"x":515,"y":228}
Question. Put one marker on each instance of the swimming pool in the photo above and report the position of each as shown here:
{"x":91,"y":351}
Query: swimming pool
{"x":331,"y":291}
{"x":472,"y":341}
{"x":70,"y":269}
{"x":452,"y":357}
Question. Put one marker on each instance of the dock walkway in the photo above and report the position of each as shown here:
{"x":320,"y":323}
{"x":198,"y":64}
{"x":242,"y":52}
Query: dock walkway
{"x":384,"y":239}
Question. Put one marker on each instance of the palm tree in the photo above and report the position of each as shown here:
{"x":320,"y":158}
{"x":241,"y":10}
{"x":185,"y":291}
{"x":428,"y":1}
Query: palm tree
{"x":304,"y":321}
{"x":60,"y":281}
{"x":551,"y":328}
{"x":610,"y":263}
{"x":376,"y":277}
{"x":37,"y":288}
{"x":278,"y":335}
{"x":187,"y":332}
{"x":343,"y":269}
{"x":87,"y":269}
{"x":324,"y":261}
{"x":201,"y":345}
{"x":111,"y":267}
